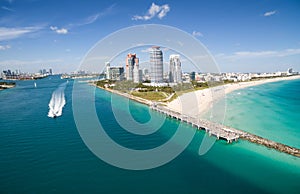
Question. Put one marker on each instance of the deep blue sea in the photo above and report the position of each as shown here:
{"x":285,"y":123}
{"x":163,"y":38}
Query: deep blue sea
{"x":39,"y":154}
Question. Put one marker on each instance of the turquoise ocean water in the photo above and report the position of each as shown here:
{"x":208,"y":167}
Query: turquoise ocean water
{"x":270,"y":110}
{"x":39,"y":154}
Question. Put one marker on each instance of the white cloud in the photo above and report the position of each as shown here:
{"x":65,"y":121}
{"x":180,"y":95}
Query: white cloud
{"x":195,"y":33}
{"x":4,"y":47}
{"x":180,"y":43}
{"x":7,"y":8}
{"x":62,"y":31}
{"x":59,"y":31}
{"x":30,"y":62}
{"x":89,"y":20}
{"x":147,"y":50}
{"x":154,"y":10}
{"x":259,"y":54}
{"x":53,"y":28}
{"x":269,"y":13}
{"x":288,"y":52}
{"x":164,"y":10}
{"x":93,"y":18}
{"x":12,"y":33}
{"x":255,"y":54}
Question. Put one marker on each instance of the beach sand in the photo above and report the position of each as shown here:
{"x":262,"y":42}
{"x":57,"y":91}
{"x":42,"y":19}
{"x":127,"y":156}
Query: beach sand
{"x":198,"y":102}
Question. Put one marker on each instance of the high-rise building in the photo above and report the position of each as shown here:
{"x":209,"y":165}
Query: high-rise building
{"x":50,"y":71}
{"x":140,"y":75}
{"x":107,"y":72}
{"x":193,"y":76}
{"x":156,"y":64}
{"x":114,"y":73}
{"x":18,"y":72}
{"x":175,"y":74}
{"x":117,"y":73}
{"x":132,"y":68}
{"x":145,"y":74}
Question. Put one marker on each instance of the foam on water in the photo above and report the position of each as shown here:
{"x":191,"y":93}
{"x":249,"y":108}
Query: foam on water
{"x":57,"y":101}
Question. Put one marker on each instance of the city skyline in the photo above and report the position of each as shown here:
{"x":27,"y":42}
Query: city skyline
{"x":255,"y":36}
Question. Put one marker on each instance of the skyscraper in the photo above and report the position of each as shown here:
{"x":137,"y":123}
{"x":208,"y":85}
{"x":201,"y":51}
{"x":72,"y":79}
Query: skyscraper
{"x":175,"y":74}
{"x":156,"y":64}
{"x":108,"y":74}
{"x":114,"y":73}
{"x":132,"y":68}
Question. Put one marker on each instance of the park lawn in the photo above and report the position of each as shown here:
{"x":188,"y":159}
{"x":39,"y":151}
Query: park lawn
{"x":150,"y":95}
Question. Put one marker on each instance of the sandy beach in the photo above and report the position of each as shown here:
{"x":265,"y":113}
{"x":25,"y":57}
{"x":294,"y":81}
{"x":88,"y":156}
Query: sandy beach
{"x":200,"y":101}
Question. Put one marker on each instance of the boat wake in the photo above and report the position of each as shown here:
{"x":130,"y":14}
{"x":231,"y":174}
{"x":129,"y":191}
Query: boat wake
{"x":57,"y":101}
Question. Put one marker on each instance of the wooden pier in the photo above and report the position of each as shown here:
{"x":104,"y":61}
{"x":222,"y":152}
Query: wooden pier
{"x":217,"y":130}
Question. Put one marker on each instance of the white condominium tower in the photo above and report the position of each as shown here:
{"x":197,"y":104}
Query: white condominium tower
{"x":107,"y":64}
{"x":175,"y":74}
{"x":156,"y":64}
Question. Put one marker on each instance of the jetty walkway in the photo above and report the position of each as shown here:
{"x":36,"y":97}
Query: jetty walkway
{"x":217,"y":130}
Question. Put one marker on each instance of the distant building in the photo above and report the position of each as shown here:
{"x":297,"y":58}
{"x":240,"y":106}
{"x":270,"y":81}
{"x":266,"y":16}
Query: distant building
{"x":117,"y":73}
{"x":43,"y":72}
{"x":18,"y":72}
{"x":146,"y":75}
{"x":8,"y":74}
{"x":175,"y":74}
{"x":136,"y":74}
{"x":50,"y":72}
{"x":107,"y":65}
{"x":114,"y":73}
{"x":186,"y":77}
{"x":132,"y":68}
{"x":289,"y":71}
{"x":140,"y":75}
{"x":156,"y":64}
{"x":193,"y":76}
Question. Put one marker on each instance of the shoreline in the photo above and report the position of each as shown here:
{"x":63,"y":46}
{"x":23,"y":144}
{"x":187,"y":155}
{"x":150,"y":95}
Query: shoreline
{"x":252,"y":138}
{"x":200,"y":101}
{"x":129,"y":96}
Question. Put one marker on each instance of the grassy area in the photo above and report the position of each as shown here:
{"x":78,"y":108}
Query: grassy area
{"x":156,"y":96}
{"x":157,"y":93}
{"x":102,"y":83}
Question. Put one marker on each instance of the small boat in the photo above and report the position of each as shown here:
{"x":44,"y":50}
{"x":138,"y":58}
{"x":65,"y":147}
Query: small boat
{"x":55,"y":115}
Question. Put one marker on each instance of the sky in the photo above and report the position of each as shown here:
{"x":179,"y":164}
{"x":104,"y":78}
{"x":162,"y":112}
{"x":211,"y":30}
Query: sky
{"x":247,"y":36}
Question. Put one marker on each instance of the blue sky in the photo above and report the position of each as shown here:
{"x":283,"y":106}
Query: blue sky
{"x":247,"y":36}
